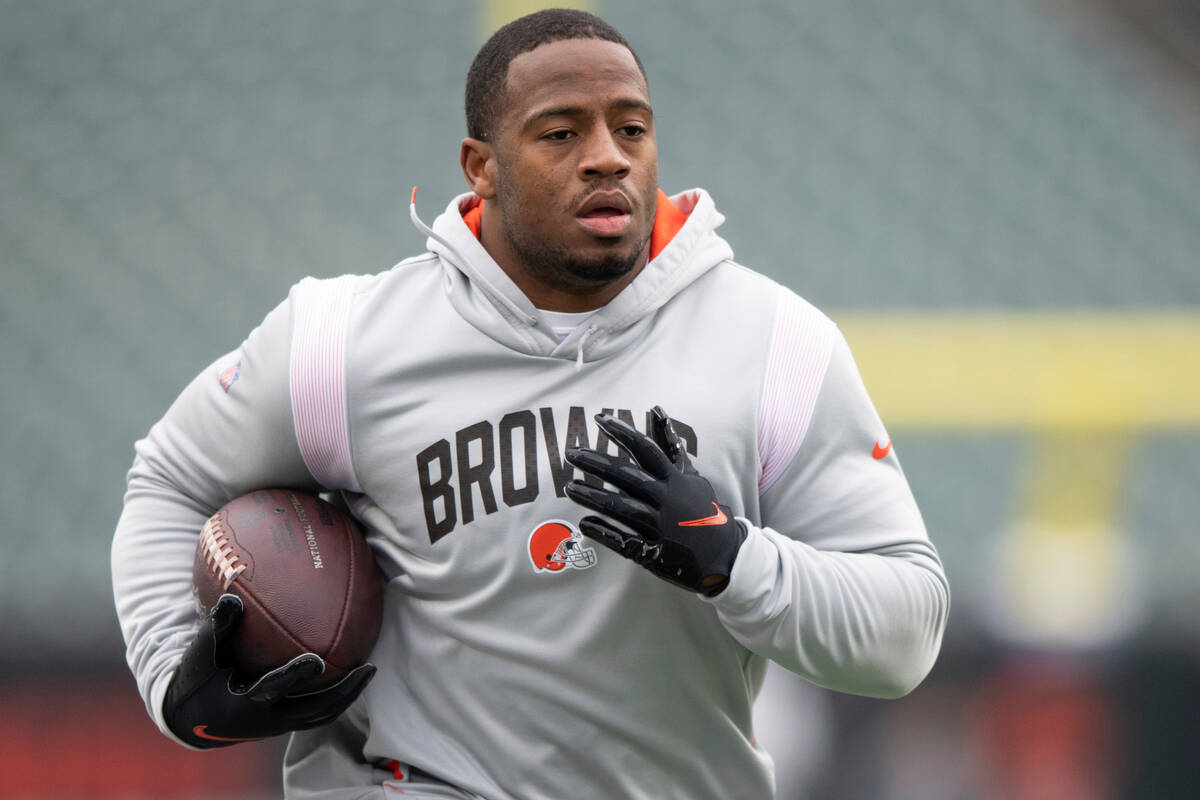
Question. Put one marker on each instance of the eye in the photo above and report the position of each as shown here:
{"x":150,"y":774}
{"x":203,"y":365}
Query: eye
{"x":559,"y":135}
{"x":632,"y":130}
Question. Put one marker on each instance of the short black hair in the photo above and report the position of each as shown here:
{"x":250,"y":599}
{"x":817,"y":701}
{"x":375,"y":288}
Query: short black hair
{"x":488,"y":75}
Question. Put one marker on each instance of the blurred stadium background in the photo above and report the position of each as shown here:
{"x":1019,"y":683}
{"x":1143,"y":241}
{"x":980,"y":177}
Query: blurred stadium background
{"x":999,"y":200}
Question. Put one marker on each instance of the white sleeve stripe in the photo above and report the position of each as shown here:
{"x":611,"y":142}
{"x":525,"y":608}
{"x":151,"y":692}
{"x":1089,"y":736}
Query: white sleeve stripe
{"x":801,"y":344}
{"x":317,"y":373}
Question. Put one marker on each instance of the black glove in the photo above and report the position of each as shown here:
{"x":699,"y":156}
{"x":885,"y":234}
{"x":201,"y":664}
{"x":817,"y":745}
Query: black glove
{"x":680,"y":532}
{"x":208,"y":706}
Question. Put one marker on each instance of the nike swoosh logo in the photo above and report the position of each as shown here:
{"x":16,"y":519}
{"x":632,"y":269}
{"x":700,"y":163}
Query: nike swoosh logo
{"x":202,"y":732}
{"x":880,"y":452}
{"x":718,"y":518}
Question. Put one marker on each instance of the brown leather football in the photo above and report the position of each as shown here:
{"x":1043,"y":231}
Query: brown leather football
{"x":306,"y":578}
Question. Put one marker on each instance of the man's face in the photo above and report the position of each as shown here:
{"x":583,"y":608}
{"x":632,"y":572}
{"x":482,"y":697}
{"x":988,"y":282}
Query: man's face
{"x":577,"y":163}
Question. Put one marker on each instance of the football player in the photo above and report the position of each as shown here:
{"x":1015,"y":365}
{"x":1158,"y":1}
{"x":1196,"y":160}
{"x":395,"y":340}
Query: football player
{"x":607,"y":471}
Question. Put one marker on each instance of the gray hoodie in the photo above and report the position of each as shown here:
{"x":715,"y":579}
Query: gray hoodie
{"x":437,"y":401}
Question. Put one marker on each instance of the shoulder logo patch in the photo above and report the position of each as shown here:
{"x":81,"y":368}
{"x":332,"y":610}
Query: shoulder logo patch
{"x":229,"y":377}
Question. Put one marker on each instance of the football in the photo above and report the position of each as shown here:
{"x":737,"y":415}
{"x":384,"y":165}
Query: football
{"x":306,"y":578}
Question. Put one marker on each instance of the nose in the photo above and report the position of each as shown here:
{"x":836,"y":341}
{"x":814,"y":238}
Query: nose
{"x":602,"y":156}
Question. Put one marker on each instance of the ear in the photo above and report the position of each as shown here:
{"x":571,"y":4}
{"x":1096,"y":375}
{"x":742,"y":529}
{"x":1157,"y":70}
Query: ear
{"x":478,"y":161}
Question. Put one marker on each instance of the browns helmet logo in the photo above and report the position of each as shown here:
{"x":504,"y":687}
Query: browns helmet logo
{"x":555,"y":546}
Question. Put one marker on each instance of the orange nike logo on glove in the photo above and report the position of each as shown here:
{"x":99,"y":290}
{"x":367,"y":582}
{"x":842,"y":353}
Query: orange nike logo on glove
{"x":880,"y":452}
{"x":718,"y":518}
{"x":202,"y":732}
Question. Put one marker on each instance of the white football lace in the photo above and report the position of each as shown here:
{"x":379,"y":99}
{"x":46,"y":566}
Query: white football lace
{"x":218,"y":552}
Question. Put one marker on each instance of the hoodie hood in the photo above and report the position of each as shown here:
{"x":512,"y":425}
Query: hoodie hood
{"x":487,"y":298}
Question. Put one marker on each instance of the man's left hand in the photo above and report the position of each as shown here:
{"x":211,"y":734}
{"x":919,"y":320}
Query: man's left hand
{"x":680,"y":531}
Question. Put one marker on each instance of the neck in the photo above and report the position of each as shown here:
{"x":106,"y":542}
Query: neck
{"x":545,"y":295}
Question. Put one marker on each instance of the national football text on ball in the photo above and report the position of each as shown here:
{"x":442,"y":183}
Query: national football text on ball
{"x":311,"y":538}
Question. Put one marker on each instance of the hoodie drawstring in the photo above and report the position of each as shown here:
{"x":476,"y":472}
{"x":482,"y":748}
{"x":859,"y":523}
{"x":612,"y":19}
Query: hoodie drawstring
{"x":425,"y":229}
{"x":579,"y":353}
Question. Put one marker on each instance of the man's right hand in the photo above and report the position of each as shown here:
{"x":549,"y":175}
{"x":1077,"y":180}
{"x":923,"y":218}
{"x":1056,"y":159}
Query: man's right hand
{"x":206,"y":705}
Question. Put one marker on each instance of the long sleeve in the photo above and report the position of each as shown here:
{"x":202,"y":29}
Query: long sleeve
{"x":229,"y":432}
{"x":840,"y":582}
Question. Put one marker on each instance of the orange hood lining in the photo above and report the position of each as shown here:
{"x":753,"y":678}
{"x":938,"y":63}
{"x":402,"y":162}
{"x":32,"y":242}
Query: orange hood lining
{"x":667,"y":221}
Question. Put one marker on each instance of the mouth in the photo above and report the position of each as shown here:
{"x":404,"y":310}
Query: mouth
{"x":606,"y":214}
